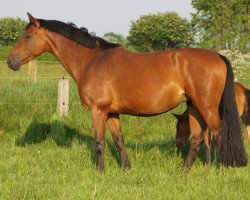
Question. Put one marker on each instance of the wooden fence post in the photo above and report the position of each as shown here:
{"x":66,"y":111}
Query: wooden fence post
{"x":63,"y":97}
{"x":32,"y":71}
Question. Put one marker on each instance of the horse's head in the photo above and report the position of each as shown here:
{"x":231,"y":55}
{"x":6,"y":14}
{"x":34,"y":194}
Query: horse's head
{"x":182,"y":130}
{"x":32,"y":43}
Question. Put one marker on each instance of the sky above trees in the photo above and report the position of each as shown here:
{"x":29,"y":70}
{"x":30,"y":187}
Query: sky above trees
{"x":98,"y":16}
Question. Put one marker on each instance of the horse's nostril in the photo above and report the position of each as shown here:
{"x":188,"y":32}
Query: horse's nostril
{"x":9,"y":61}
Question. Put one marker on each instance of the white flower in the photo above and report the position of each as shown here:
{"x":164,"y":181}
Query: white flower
{"x":237,"y":60}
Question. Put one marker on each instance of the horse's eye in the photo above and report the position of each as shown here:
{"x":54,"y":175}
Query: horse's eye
{"x":27,"y":36}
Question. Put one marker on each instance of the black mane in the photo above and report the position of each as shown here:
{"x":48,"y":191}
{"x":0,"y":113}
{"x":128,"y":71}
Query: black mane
{"x":79,"y":35}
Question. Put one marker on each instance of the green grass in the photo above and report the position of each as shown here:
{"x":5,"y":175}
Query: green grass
{"x":43,"y":156}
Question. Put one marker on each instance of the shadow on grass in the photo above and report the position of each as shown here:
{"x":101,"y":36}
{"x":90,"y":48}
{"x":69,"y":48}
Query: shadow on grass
{"x":62,"y":134}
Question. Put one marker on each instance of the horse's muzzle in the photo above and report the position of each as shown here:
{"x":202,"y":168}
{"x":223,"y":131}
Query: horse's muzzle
{"x":13,"y":65}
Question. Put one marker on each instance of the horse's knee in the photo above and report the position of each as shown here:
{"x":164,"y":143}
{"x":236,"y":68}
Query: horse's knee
{"x":195,"y":144}
{"x":194,"y":148}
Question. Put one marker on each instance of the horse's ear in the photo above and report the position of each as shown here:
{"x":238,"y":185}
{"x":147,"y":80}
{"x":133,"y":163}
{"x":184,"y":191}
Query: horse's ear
{"x":33,"y":20}
{"x":179,"y":117}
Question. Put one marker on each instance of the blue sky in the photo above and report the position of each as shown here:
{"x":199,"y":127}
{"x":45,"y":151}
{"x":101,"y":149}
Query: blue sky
{"x":99,"y":16}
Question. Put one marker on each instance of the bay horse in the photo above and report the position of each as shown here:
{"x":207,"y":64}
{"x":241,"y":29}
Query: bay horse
{"x":112,"y":80}
{"x":242,"y":98}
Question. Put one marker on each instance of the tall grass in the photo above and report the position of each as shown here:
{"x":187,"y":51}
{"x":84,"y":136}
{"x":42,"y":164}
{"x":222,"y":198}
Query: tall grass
{"x":44,"y":156}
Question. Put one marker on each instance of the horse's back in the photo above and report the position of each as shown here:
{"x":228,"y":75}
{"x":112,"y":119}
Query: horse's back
{"x":136,"y":83}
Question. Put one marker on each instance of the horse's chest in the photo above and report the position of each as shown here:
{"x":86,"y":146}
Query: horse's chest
{"x":94,"y":96}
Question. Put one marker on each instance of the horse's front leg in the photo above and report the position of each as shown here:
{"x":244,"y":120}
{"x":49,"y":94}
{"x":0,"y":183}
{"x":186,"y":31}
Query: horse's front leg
{"x":115,"y":128}
{"x":197,"y":128}
{"x":99,"y":119}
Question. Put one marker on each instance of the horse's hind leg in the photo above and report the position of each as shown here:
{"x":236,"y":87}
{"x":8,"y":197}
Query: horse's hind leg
{"x":197,"y":127}
{"x":216,"y":151}
{"x":248,"y":133}
{"x":246,"y":120}
{"x":207,"y":138}
{"x":213,"y":121}
{"x":115,"y":128}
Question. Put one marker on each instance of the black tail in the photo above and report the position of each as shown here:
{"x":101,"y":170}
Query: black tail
{"x":232,"y":147}
{"x":246,"y":113}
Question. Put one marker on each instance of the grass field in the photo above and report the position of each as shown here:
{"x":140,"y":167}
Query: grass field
{"x":43,"y":156}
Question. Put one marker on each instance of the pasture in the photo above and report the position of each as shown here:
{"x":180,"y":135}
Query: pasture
{"x":44,"y":156}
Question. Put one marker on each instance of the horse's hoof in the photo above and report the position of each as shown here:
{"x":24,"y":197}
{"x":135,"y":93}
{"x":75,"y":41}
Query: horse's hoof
{"x":126,"y":166}
{"x":186,"y":169}
{"x":100,"y":169}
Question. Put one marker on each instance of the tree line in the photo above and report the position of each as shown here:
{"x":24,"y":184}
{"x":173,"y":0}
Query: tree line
{"x":221,"y":24}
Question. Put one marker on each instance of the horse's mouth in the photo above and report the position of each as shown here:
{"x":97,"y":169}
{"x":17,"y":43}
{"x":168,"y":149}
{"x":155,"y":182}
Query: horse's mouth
{"x":16,"y":68}
{"x":13,"y":65}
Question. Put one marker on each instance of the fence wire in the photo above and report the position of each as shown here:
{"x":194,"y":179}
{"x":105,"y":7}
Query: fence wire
{"x":245,"y":81}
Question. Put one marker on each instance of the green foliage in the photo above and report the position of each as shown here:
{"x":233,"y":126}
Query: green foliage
{"x":237,"y":60}
{"x":115,"y":38}
{"x":11,"y":30}
{"x":160,"y":31}
{"x":222,"y":24}
{"x":4,"y":51}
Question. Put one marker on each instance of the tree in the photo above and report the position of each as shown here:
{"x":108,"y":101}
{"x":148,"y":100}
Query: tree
{"x":160,"y":31}
{"x":115,"y":38}
{"x":222,"y":24}
{"x":11,"y":30}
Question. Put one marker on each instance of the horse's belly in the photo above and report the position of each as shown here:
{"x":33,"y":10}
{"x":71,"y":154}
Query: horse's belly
{"x":151,"y":103}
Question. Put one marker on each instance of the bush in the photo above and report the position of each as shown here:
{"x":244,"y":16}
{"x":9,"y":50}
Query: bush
{"x":237,"y":60}
{"x":160,"y":31}
{"x":11,"y":30}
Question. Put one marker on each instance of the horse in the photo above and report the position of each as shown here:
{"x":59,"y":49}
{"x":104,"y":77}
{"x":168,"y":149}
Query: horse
{"x":112,"y":80}
{"x":242,"y":98}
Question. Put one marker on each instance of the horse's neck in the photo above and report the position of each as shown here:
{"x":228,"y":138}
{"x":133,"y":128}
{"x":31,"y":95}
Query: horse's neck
{"x":73,"y":56}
